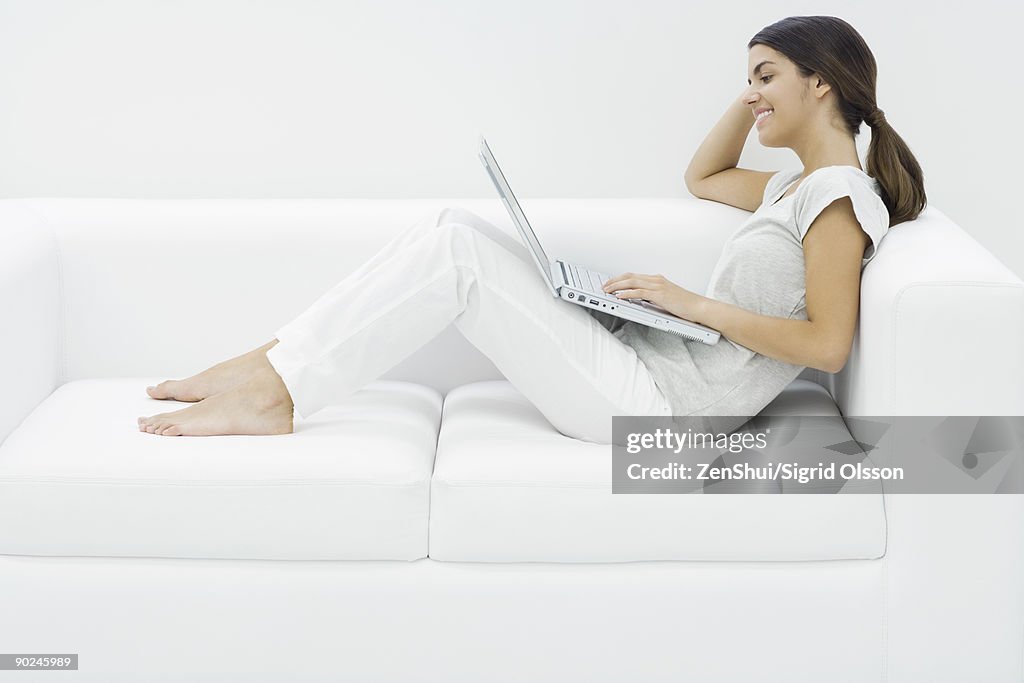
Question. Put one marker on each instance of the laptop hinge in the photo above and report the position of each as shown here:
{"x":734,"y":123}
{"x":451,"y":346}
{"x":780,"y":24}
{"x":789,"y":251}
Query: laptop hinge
{"x":564,"y":280}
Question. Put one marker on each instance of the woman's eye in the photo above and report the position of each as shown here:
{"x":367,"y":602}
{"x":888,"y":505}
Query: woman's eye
{"x":764,"y":77}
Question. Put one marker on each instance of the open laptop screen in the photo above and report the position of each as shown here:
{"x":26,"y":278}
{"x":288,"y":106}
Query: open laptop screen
{"x":513,"y":206}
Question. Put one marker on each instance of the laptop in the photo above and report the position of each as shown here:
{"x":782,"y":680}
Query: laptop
{"x":582,"y":286}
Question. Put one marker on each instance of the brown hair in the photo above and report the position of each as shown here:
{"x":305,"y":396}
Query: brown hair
{"x":832,"y":48}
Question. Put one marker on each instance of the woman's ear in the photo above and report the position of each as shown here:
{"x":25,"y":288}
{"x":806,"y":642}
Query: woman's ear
{"x":821,"y":86}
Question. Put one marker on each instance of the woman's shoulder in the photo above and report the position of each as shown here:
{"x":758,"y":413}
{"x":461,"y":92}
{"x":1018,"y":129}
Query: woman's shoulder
{"x":826,"y":184}
{"x":843,"y":175}
{"x":836,"y":181}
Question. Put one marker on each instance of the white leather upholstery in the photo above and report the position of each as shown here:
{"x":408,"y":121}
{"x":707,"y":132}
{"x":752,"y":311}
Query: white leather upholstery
{"x":931,"y":292}
{"x":941,"y":328}
{"x":352,"y":483}
{"x":266,"y":261}
{"x":30,"y":304}
{"x":954,"y":587}
{"x":217,"y":621}
{"x":507,"y":487}
{"x":106,"y":296}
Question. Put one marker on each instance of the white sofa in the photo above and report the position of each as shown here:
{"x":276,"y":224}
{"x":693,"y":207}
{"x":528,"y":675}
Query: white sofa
{"x":434,"y":526}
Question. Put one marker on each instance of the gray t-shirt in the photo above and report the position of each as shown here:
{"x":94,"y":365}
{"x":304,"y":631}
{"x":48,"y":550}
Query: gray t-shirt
{"x":761,"y":269}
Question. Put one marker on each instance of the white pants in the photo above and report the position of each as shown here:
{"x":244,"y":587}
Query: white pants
{"x":456,"y":268}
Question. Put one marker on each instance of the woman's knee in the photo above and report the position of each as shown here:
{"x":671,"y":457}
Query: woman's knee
{"x":453,"y":230}
{"x":459,"y":216}
{"x":449,"y":214}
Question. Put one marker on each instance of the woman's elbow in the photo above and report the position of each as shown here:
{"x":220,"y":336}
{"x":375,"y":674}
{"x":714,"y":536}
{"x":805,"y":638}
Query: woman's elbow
{"x":825,"y":366}
{"x":830,"y":348}
{"x":835,"y":360}
{"x":836,"y":366}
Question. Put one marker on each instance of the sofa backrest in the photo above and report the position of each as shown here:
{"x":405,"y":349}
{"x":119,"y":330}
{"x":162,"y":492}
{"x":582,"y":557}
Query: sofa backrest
{"x":169,"y":287}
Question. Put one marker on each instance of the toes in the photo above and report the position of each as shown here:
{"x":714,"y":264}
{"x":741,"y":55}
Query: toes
{"x":164,"y":390}
{"x":159,"y":424}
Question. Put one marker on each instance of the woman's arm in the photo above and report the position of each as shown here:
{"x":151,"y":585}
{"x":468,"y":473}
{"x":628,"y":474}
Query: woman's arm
{"x":713,"y":174}
{"x":722,"y":147}
{"x":800,"y":342}
{"x":794,"y":341}
{"x":833,"y":248}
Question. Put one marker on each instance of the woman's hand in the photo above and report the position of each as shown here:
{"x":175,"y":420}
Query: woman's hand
{"x":658,"y":290}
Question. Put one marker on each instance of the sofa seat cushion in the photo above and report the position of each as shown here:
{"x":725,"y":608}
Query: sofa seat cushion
{"x":508,"y":487}
{"x":351,"y":483}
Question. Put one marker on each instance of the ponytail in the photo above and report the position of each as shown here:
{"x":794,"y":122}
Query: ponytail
{"x":891,"y":163}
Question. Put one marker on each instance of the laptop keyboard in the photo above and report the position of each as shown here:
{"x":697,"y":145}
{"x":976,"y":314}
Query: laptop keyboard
{"x":587,"y":280}
{"x":592,"y":281}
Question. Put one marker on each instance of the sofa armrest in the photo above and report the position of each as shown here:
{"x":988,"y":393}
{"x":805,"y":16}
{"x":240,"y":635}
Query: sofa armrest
{"x":30,"y":310}
{"x":941,"y":328}
{"x":940,"y":333}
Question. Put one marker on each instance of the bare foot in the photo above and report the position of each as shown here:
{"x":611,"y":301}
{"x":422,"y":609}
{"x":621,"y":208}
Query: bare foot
{"x":260,"y":405}
{"x":221,"y":377}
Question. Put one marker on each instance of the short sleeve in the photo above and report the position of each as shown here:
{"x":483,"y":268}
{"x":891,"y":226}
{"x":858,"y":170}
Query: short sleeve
{"x":828,"y":184}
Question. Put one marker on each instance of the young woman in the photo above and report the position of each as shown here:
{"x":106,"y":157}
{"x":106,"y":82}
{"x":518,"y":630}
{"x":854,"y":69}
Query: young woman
{"x":784,"y":293}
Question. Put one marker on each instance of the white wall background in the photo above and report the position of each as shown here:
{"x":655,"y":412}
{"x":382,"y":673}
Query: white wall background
{"x":299,"y":98}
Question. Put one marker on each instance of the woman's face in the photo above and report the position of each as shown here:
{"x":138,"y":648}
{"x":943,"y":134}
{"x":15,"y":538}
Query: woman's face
{"x":775,"y":84}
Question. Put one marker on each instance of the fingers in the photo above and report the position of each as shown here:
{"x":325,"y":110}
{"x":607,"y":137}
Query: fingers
{"x":623,"y":287}
{"x":618,"y":284}
{"x":631,"y":280}
{"x":632,"y":293}
{"x":619,"y":281}
{"x":616,"y":280}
